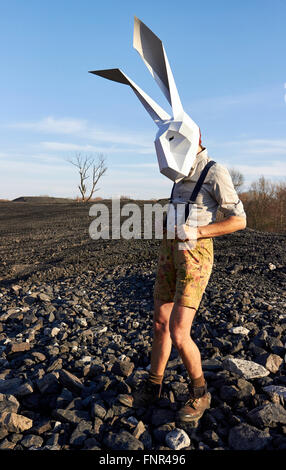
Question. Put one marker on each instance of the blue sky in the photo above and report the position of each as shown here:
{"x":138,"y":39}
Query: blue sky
{"x":228,"y":60}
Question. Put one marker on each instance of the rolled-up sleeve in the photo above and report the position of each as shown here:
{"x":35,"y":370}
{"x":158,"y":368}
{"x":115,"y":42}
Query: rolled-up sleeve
{"x":224,"y":193}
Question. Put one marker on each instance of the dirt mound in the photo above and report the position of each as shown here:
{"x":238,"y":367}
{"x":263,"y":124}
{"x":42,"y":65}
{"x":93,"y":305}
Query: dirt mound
{"x":42,"y":199}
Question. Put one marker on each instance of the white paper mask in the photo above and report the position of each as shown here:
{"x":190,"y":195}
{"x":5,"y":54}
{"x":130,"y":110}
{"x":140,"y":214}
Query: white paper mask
{"x":178,"y":137}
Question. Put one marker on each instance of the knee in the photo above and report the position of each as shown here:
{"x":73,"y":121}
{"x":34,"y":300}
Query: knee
{"x":179,"y":338}
{"x":161,"y":328}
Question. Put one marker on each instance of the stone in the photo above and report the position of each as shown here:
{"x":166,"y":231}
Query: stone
{"x":3,"y":432}
{"x":49,"y":383}
{"x":228,"y":393}
{"x":180,"y":391}
{"x":70,"y":381}
{"x":162,"y":416}
{"x":42,"y":426}
{"x":247,"y":369}
{"x":81,"y":433}
{"x":14,"y":422}
{"x":161,"y":432}
{"x":271,"y":362}
{"x":98,"y":425}
{"x":40,"y":357}
{"x":139,"y":430}
{"x":70,"y":416}
{"x":177,"y":439}
{"x":8,"y":403}
{"x":44,"y":297}
{"x":122,"y":440}
{"x":247,"y":437}
{"x":239,"y":330}
{"x":55,"y":331}
{"x":56,"y":364}
{"x":269,"y":415}
{"x":122,"y":368}
{"x":18,"y":347}
{"x":7,"y":445}
{"x":10,"y":386}
{"x":98,"y":410}
{"x":279,"y":389}
{"x":32,"y":440}
{"x":91,"y":444}
{"x":211,"y":364}
{"x":275,"y":345}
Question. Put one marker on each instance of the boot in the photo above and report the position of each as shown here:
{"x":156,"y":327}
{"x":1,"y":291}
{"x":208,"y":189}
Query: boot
{"x":146,"y":394}
{"x":196,"y":405}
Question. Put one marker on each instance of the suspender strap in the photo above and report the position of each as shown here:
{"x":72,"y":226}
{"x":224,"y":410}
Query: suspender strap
{"x":172,"y":192}
{"x":198,"y":186}
{"x":200,"y":181}
{"x":196,"y":189}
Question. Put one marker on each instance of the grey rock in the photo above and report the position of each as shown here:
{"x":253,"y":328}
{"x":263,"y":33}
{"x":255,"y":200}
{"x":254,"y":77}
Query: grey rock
{"x":98,"y":410}
{"x":180,"y":391}
{"x":177,"y":439}
{"x":10,"y":386}
{"x":161,"y":432}
{"x":122,"y":441}
{"x":8,"y":403}
{"x":247,"y":369}
{"x":268,"y":415}
{"x":239,"y":330}
{"x":162,"y":416}
{"x":44,"y":297}
{"x":18,"y":347}
{"x":70,"y":416}
{"x":279,"y":389}
{"x":246,"y":437}
{"x":32,"y":440}
{"x":3,"y":432}
{"x":14,"y":422}
{"x":146,"y":440}
{"x":228,"y":393}
{"x":70,"y":381}
{"x":91,"y":444}
{"x":7,"y":445}
{"x":81,"y":433}
{"x":139,"y":430}
{"x":49,"y":383}
{"x":123,"y":368}
{"x":211,"y":364}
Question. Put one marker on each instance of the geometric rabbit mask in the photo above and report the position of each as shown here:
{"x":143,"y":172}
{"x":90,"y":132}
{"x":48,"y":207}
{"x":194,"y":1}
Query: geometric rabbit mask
{"x":178,"y":136}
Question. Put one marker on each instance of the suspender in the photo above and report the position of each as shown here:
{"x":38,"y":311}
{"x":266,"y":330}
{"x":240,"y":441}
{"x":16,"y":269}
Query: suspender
{"x":197,"y":187}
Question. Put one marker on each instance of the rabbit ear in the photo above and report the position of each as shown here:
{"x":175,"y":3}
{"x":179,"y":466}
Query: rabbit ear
{"x":152,"y":51}
{"x":156,"y":112}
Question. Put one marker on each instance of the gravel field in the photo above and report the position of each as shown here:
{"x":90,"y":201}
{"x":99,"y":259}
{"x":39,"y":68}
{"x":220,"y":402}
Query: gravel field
{"x":76,"y":331}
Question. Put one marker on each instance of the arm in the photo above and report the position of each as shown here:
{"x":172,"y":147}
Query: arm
{"x":229,"y":225}
{"x":224,"y":193}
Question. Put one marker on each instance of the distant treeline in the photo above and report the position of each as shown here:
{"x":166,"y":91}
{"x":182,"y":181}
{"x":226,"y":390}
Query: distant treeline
{"x":265,"y":205}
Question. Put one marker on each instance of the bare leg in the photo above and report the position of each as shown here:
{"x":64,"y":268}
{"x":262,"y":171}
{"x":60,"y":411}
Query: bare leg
{"x":162,"y":343}
{"x":180,"y":327}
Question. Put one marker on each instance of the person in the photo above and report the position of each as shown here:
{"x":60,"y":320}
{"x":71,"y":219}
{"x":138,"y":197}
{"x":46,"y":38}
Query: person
{"x":182,"y":276}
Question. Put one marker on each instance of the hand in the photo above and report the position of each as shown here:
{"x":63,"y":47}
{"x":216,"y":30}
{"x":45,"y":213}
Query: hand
{"x":186,"y":232}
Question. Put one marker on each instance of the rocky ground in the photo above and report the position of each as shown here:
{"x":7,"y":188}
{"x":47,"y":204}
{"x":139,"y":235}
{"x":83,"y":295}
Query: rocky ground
{"x":76,"y":329}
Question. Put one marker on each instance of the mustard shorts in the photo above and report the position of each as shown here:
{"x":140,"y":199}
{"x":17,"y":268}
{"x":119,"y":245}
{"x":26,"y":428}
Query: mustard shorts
{"x":183,"y":274}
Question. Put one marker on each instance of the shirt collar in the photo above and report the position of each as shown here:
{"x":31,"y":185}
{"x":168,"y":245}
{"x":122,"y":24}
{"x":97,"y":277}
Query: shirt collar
{"x":199,"y":157}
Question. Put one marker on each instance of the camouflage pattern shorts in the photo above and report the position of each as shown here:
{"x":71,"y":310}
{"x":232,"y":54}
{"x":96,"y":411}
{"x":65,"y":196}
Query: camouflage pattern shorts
{"x":183,"y":274}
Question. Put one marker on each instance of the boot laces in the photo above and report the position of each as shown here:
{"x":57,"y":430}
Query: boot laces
{"x":193,"y":402}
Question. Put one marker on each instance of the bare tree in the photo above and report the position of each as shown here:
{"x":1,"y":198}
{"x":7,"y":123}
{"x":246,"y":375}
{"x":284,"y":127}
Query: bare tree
{"x":88,"y":166}
{"x":237,"y":178}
